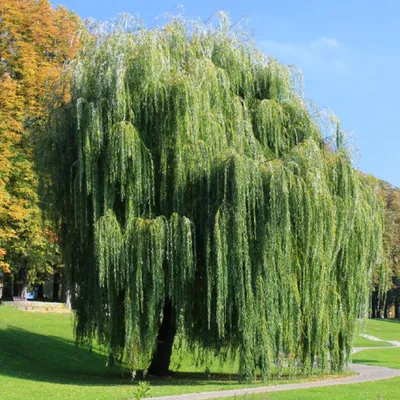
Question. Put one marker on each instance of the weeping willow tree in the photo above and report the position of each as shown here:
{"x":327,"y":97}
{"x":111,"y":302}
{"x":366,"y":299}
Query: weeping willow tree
{"x":195,"y":191}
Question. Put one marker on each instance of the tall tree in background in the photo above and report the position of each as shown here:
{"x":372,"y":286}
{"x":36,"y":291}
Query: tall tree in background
{"x":387,"y":279}
{"x":35,"y":41}
{"x":195,"y":193}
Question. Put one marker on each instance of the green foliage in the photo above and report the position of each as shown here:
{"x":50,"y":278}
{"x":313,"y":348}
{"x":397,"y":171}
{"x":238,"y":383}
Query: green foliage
{"x":387,"y":278}
{"x":142,"y":391}
{"x":187,"y":166}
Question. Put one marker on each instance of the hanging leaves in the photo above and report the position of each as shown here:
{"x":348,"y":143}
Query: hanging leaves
{"x":193,"y":171}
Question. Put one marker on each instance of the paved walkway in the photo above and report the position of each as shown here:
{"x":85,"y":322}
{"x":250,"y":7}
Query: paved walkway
{"x":365,"y":373}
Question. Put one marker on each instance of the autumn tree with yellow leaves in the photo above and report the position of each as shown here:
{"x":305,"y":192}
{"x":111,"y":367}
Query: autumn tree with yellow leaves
{"x":35,"y":41}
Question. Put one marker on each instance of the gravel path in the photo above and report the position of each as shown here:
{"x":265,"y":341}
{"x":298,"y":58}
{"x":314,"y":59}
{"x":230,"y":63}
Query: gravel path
{"x":365,"y":373}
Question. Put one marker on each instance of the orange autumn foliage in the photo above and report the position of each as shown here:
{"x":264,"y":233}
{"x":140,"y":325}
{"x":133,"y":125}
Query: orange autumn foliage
{"x":35,"y":41}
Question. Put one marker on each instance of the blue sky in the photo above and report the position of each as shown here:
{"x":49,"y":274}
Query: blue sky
{"x":349,"y":52}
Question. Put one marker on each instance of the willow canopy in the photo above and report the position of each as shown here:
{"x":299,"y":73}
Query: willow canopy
{"x":195,"y":192}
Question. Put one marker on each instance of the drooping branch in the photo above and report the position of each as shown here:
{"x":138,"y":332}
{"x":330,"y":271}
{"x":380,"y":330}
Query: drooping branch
{"x":189,"y":174}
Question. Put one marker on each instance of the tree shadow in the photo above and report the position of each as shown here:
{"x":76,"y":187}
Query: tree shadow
{"x":376,"y":363}
{"x":32,"y":356}
{"x":393,"y":320}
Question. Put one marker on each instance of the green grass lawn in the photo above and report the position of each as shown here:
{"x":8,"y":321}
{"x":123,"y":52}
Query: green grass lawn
{"x":381,"y":390}
{"x":39,"y":361}
{"x":364,"y":342}
{"x":384,"y":329}
{"x":383,"y":357}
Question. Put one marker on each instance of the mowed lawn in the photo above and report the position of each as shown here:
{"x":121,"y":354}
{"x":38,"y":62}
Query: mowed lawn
{"x":385,"y":329}
{"x":364,"y":342}
{"x":380,"y":328}
{"x":382,"y":390}
{"x":383,"y":357}
{"x":39,"y":360}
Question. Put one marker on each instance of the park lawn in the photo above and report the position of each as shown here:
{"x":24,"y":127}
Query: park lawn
{"x":385,"y":329}
{"x":381,"y":390}
{"x":39,"y":361}
{"x":364,"y":342}
{"x":383,"y":357}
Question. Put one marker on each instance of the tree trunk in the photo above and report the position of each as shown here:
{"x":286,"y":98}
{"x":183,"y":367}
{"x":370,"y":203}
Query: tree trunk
{"x":24,"y":291}
{"x":66,"y":291}
{"x":21,"y":284}
{"x":68,"y":299}
{"x":7,"y":288}
{"x":376,"y":307}
{"x":40,"y":295}
{"x":56,"y":286}
{"x":165,"y":340}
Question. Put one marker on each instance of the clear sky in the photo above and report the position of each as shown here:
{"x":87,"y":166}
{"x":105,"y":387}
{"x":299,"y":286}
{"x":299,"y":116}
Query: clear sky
{"x":348,"y":50}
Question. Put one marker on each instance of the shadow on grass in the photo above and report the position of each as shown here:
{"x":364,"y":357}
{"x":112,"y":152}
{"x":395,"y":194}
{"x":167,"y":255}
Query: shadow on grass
{"x":395,"y":320}
{"x":376,"y":363}
{"x":32,"y":356}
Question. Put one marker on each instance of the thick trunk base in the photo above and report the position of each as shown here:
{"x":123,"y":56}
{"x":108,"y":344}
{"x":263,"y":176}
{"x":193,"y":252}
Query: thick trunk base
{"x":165,"y":341}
